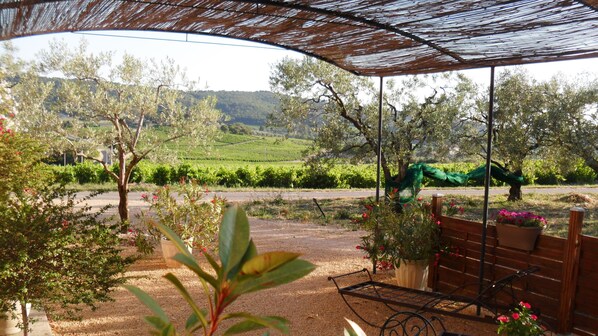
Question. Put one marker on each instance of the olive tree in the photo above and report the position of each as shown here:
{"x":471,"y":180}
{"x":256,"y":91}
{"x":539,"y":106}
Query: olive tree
{"x":421,"y":114}
{"x":521,"y":124}
{"x":573,"y":115}
{"x":103,"y":105}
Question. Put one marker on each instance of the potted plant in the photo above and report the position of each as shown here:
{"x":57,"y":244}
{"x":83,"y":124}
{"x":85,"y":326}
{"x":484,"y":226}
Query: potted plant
{"x":194,"y":220}
{"x":406,"y":239}
{"x":518,"y":229}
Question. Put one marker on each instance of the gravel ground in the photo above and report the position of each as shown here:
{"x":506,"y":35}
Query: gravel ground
{"x":311,"y":304}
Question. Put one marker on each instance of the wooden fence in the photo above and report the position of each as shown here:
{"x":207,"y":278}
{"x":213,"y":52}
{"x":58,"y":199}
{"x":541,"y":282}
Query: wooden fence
{"x":564,"y":290}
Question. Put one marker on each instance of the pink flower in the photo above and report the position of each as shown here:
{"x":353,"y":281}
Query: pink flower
{"x":525,"y":305}
{"x":515,"y":316}
{"x":534,"y":317}
{"x":503,"y":319}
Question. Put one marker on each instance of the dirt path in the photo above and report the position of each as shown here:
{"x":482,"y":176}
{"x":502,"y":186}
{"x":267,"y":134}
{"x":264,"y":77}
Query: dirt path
{"x":311,"y":304}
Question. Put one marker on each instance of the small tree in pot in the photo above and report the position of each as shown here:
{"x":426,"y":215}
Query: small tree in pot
{"x":400,"y":239}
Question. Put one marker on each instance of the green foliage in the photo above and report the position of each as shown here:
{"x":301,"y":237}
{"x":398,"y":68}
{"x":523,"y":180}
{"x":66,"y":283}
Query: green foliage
{"x":342,"y":110}
{"x":161,"y":175}
{"x":104,"y":106}
{"x":19,"y":160}
{"x":192,"y":219}
{"x":56,"y":253}
{"x":87,"y":172}
{"x":408,"y":233}
{"x":521,"y":322}
{"x":242,"y":270}
{"x":278,"y":177}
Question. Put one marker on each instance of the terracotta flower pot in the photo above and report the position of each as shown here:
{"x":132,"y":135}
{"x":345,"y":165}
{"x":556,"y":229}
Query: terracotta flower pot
{"x":169,"y":250}
{"x":523,"y":238}
{"x":412,"y":273}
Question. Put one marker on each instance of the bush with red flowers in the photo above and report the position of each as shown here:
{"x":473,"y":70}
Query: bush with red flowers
{"x":521,"y":321}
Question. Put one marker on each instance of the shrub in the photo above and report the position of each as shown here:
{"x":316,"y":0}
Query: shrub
{"x":247,"y":177}
{"x":161,"y":175}
{"x":192,"y":219}
{"x":227,"y":177}
{"x":63,"y":174}
{"x":320,"y":179}
{"x":87,"y":172}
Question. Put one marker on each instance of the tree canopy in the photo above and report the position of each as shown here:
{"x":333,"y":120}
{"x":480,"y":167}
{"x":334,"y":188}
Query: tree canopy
{"x":421,"y":114}
{"x":104,"y":105}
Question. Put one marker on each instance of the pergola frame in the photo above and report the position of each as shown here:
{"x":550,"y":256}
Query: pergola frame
{"x":373,"y":38}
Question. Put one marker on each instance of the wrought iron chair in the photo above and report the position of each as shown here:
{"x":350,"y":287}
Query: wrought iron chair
{"x":413,"y":324}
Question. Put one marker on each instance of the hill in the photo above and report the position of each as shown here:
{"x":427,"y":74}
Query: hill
{"x":250,"y":108}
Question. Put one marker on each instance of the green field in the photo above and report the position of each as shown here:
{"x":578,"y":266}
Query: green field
{"x":247,"y":149}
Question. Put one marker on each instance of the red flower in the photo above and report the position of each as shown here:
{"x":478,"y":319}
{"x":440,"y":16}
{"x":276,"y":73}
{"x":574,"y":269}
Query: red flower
{"x":515,"y":316}
{"x":365,"y":215}
{"x":525,"y":305}
{"x":534,"y":317}
{"x":503,"y":319}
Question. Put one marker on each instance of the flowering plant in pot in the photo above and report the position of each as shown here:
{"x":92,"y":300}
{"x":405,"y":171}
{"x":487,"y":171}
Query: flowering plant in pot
{"x":518,"y":229}
{"x":406,"y":239}
{"x":523,"y":218}
{"x":194,"y":220}
{"x":521,"y":321}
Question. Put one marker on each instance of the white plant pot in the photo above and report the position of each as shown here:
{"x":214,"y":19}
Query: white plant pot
{"x":8,"y":324}
{"x":412,"y":273}
{"x":169,"y":250}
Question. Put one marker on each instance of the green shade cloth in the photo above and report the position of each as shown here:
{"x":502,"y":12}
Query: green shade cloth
{"x":410,"y":186}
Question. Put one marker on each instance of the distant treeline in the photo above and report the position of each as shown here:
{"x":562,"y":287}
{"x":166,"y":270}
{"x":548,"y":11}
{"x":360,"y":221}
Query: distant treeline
{"x":250,"y":108}
{"x":299,"y":176}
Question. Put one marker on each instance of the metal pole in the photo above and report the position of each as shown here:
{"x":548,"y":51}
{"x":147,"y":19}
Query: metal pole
{"x":487,"y":182}
{"x":379,"y":161}
{"x":379,"y":149}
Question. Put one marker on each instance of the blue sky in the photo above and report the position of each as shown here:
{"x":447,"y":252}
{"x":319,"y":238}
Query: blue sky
{"x":232,"y":65}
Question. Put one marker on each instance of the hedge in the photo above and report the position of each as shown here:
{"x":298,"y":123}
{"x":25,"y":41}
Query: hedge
{"x":341,"y":176}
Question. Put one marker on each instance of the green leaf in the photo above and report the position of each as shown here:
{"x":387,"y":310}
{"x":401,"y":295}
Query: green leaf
{"x":193,"y":322}
{"x":156,"y":322}
{"x":266,"y":262}
{"x":173,"y":237}
{"x":185,"y":294}
{"x":249,"y":254}
{"x":286,"y":273}
{"x":233,"y":238}
{"x":355,"y":329}
{"x":212,"y":262}
{"x":253,"y":322}
{"x":192,"y":264}
{"x":149,"y":302}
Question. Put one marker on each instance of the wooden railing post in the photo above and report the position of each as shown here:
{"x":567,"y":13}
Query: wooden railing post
{"x":437,"y":204}
{"x":570,"y":271}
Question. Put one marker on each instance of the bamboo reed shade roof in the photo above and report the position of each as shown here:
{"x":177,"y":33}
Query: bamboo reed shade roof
{"x":367,"y":37}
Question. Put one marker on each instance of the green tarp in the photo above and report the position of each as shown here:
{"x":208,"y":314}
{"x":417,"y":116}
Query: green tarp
{"x":410,"y":186}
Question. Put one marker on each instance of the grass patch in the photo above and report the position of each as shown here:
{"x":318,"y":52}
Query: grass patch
{"x":555,"y":208}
